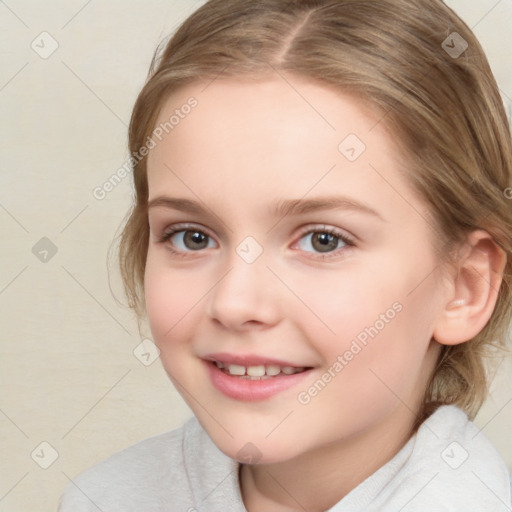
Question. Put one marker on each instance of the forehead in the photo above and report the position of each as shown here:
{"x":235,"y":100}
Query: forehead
{"x":279,"y":109}
{"x":279,"y":136}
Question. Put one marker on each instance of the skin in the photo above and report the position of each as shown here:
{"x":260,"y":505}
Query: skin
{"x":244,"y":147}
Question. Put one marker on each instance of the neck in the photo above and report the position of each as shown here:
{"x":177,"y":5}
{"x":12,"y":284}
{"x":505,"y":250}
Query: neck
{"x":316,"y":481}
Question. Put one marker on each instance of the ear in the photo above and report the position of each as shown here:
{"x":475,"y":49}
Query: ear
{"x":473,"y":292}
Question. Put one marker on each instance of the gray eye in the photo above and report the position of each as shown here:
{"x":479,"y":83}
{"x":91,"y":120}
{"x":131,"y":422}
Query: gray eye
{"x":320,"y":241}
{"x":190,"y":239}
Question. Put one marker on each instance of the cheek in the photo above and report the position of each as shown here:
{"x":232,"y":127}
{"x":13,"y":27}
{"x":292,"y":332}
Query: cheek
{"x":169,"y":301}
{"x":339,"y":306}
{"x":367,"y":375}
{"x":379,"y":321}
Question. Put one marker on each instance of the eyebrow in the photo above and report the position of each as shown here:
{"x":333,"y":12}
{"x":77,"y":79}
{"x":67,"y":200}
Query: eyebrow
{"x":280,"y":209}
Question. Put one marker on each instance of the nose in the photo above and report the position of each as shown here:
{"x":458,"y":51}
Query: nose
{"x":246,"y":297}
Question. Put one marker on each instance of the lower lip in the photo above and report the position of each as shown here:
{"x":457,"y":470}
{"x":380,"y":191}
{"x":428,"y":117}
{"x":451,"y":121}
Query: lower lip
{"x":252,"y":390}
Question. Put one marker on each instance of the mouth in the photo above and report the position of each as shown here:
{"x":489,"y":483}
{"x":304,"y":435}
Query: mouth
{"x":258,"y":372}
{"x":253,"y":378}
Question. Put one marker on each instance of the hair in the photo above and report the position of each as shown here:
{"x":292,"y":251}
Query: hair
{"x":445,"y":110}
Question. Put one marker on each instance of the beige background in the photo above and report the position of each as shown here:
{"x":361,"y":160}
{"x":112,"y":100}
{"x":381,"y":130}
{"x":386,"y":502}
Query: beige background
{"x":69,"y":375}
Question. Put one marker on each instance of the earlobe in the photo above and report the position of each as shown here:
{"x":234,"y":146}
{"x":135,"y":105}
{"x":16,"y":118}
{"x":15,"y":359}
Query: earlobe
{"x":475,"y":289}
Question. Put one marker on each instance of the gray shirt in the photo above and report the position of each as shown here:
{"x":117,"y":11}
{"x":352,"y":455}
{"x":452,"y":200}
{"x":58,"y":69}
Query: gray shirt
{"x":448,"y":465}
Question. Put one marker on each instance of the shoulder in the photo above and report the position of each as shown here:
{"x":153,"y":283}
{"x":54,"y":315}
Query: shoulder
{"x":149,"y":474}
{"x":453,"y":466}
{"x":458,"y":443}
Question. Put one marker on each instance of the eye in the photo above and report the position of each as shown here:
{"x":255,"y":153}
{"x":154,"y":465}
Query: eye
{"x":324,"y":240}
{"x":186,"y":240}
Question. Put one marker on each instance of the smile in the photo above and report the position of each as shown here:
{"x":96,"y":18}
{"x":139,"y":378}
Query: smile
{"x":250,"y":378}
{"x":259,"y":372}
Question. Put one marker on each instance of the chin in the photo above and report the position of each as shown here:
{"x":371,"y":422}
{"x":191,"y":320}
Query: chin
{"x":254,"y":447}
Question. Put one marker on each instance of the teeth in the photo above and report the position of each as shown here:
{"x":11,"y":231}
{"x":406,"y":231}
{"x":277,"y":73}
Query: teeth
{"x":256,"y":371}
{"x":259,"y":371}
{"x":234,"y":369}
{"x":273,"y":370}
{"x":255,"y":378}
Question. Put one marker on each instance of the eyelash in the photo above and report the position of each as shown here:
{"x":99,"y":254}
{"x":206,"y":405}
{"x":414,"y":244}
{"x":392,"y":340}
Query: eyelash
{"x":178,"y":228}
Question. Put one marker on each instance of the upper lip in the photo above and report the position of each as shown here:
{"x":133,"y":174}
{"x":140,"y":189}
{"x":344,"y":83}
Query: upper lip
{"x":250,"y":360}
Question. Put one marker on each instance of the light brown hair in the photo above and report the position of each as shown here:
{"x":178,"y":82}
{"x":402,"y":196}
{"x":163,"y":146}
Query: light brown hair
{"x":444,"y":109}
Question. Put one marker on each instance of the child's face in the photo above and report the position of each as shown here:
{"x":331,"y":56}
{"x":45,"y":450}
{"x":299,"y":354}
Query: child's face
{"x":243,"y":150}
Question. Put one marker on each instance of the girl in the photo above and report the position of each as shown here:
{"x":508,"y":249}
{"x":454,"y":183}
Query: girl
{"x":321,"y":242}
